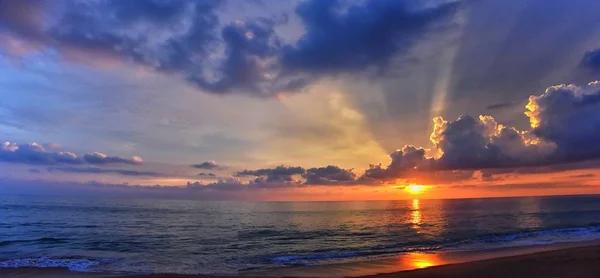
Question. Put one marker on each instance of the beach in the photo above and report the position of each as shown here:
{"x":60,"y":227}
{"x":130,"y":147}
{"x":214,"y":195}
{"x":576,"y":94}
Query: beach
{"x":581,"y":261}
{"x":572,"y":262}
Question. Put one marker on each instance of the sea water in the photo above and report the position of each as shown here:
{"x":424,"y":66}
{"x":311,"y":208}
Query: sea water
{"x":200,"y":237}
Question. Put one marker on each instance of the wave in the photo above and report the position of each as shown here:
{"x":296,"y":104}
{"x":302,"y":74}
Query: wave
{"x":521,"y":239}
{"x":73,"y":264}
{"x":529,"y":238}
{"x":286,"y":234}
{"x":294,"y":258}
{"x":317,"y":256}
{"x":43,"y":240}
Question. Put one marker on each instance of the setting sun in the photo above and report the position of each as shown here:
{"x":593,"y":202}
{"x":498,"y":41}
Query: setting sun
{"x":414,"y":189}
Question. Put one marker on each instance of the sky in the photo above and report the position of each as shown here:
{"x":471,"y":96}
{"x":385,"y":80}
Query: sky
{"x":279,"y":100}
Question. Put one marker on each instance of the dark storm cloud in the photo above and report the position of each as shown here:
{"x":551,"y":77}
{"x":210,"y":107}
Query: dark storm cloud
{"x":96,"y":170}
{"x":173,"y":37}
{"x":362,"y":36}
{"x":186,"y":39}
{"x":591,"y":60}
{"x":248,"y":45}
{"x":37,"y":154}
{"x":207,"y":165}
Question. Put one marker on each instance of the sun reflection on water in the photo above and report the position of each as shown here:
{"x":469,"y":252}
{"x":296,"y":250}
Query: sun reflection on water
{"x":415,"y":215}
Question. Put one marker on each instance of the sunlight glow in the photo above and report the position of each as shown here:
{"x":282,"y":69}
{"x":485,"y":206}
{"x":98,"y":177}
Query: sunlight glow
{"x":414,"y":189}
{"x":447,"y":62}
{"x":422,"y":263}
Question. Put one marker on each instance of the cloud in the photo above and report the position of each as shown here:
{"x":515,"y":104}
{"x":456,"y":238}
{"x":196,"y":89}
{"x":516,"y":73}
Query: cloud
{"x":589,"y":175}
{"x":359,"y":37}
{"x":469,"y":143}
{"x":329,"y":175}
{"x":568,"y":116}
{"x":229,"y":184}
{"x":550,"y":168}
{"x":565,"y":124}
{"x":20,"y":16}
{"x":96,"y":170}
{"x":591,"y":60}
{"x":36,"y":154}
{"x":173,"y":37}
{"x":246,"y":66}
{"x":283,"y":175}
{"x":207,"y":175}
{"x":186,"y":39}
{"x":537,"y":185}
{"x":465,"y":144}
{"x":100,"y":158}
{"x":279,"y":174}
{"x":406,"y":160}
{"x":208,"y":165}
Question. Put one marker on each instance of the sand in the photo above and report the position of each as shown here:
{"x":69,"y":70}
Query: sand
{"x":571,"y":262}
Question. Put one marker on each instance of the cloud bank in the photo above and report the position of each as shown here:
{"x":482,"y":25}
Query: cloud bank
{"x":330,"y":175}
{"x":37,"y":154}
{"x":96,"y":170}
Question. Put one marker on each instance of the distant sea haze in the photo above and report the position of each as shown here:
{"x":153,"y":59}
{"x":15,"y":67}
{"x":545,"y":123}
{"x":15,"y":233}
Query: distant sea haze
{"x":175,"y":236}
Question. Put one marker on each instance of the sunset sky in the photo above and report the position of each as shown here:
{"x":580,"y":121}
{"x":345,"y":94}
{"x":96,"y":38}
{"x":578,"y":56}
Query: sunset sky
{"x":300,"y":100}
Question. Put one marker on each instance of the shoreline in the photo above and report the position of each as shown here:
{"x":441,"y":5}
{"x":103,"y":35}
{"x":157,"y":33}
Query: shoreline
{"x":552,"y":260}
{"x":417,"y":261}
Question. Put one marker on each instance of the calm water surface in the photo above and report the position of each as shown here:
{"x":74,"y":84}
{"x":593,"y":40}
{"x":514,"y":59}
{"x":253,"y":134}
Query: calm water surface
{"x":176,"y":236}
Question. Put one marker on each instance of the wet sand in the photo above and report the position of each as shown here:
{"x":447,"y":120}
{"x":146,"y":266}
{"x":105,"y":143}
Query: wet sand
{"x":577,"y":262}
{"x":581,"y":262}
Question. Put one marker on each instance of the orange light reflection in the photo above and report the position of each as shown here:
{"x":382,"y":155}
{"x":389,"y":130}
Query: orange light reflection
{"x":415,"y":214}
{"x":422,"y":260}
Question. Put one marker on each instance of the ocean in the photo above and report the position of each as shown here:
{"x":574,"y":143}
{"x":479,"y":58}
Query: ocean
{"x":200,"y":237}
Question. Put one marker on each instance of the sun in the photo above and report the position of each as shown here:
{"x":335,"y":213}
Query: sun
{"x":414,"y":188}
